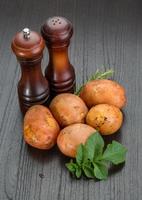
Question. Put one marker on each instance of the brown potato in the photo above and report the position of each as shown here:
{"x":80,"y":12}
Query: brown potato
{"x":107,"y":119}
{"x":68,"y":109}
{"x":71,"y":136}
{"x":103,"y":91}
{"x":40,"y":128}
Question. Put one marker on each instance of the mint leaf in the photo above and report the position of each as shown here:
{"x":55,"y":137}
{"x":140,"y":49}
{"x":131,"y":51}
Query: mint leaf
{"x":103,"y":162}
{"x":88,"y":171}
{"x":82,"y":155}
{"x":79,"y":154}
{"x":74,"y":169}
{"x":115,"y":153}
{"x":94,"y":146}
{"x":71,"y":167}
{"x":92,"y":161}
{"x":100,"y":171}
{"x":85,"y":155}
{"x":78,"y":172}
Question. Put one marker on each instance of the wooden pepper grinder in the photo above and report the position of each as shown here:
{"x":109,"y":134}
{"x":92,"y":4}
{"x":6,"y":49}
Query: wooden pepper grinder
{"x":33,"y":87}
{"x":57,"y":32}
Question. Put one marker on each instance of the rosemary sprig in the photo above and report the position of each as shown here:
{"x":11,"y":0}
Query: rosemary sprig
{"x":97,"y":76}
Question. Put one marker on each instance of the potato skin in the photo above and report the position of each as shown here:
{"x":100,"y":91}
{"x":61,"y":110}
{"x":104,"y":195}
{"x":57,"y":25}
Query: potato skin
{"x":40,"y":128}
{"x":71,"y":136}
{"x":68,"y":109}
{"x":103,"y":91}
{"x":107,"y":119}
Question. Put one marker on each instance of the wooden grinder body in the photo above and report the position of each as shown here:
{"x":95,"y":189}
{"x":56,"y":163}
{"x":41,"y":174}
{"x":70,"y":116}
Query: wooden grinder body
{"x":32,"y":87}
{"x":57,"y":32}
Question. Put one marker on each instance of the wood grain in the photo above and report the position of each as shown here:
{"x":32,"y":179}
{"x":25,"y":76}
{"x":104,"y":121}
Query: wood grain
{"x":108,"y":34}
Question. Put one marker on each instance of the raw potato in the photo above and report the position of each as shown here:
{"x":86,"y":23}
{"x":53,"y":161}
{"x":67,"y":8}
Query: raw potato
{"x":68,"y":109}
{"x":103,"y":91}
{"x":40,"y":128}
{"x":107,"y":119}
{"x":71,"y":136}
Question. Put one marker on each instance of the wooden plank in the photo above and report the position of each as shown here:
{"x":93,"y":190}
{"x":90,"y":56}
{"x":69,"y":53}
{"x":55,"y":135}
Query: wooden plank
{"x":106,"y":35}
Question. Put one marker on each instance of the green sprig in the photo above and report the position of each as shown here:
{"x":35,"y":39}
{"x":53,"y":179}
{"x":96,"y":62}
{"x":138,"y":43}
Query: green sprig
{"x":93,"y":161}
{"x":97,"y":76}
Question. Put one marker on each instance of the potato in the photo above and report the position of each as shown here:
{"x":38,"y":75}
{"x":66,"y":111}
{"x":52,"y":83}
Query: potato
{"x":103,"y":91}
{"x":40,"y":128}
{"x":68,"y":109}
{"x":71,"y":136}
{"x":107,"y":119}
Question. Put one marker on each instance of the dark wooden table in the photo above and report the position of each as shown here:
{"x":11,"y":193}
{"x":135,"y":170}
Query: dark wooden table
{"x":107,"y":34}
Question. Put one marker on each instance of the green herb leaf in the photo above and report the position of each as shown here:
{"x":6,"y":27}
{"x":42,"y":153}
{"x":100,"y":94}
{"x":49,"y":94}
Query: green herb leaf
{"x":91,"y":160}
{"x":115,"y":153}
{"x":102,"y":75}
{"x":103,"y":162}
{"x":79,"y":154}
{"x":77,"y":92}
{"x":85,"y":155}
{"x":78,"y":172}
{"x":94,"y":146}
{"x":71,"y":167}
{"x":88,"y":171}
{"x":98,"y":75}
{"x":100,"y":171}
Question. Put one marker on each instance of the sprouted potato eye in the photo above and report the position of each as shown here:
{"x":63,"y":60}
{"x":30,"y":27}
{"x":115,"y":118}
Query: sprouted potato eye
{"x":107,"y":119}
{"x":68,"y":109}
{"x":103,"y":91}
{"x":71,"y":136}
{"x":40,"y":127}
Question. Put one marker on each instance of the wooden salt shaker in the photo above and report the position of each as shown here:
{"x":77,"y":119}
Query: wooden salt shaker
{"x":33,"y":87}
{"x":57,"y":32}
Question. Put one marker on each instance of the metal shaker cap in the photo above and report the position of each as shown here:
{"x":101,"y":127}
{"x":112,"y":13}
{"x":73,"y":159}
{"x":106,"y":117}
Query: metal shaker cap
{"x":26,"y":33}
{"x":57,"y":30}
{"x":27,"y":44}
